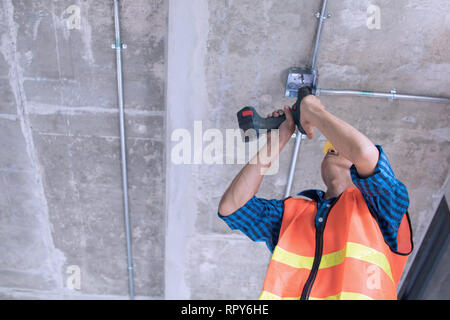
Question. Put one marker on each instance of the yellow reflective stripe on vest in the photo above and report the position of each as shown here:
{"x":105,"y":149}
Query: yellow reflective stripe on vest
{"x":340,"y":296}
{"x":351,"y":250}
{"x":292,"y":259}
{"x":344,"y":296}
{"x":265,"y":295}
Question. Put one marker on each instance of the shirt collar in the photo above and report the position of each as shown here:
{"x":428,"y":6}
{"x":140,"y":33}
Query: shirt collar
{"x":314,"y":194}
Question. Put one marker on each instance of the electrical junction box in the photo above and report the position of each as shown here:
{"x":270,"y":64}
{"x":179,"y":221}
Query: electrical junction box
{"x":298,"y":77}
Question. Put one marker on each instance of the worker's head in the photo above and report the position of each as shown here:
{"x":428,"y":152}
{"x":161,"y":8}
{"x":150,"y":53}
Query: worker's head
{"x":335,"y":167}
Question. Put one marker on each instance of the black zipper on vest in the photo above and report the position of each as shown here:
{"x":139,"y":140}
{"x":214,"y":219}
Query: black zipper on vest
{"x":317,"y":254}
{"x":315,"y":267}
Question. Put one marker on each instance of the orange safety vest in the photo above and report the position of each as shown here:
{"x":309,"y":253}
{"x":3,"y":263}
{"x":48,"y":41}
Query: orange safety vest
{"x":346,"y":259}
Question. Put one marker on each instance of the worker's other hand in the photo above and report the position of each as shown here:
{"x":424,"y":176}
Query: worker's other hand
{"x":286,"y":128}
{"x":309,"y":105}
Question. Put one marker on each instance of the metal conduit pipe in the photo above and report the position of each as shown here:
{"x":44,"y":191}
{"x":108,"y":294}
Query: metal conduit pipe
{"x":118,"y":46}
{"x":298,"y":141}
{"x":322,"y":15}
{"x":392,"y":95}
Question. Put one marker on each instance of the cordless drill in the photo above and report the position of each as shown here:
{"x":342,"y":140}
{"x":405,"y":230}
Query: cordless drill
{"x":251,"y":122}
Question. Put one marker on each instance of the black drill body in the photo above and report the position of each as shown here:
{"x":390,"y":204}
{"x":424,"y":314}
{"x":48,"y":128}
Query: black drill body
{"x":251,"y":122}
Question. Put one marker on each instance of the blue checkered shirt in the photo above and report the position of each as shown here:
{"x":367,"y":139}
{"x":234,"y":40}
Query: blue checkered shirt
{"x":385,"y":196}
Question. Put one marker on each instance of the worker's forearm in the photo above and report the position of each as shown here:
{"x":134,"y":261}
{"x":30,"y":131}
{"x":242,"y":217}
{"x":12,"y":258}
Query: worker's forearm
{"x":243,"y":187}
{"x":246,"y":184}
{"x":351,"y":143}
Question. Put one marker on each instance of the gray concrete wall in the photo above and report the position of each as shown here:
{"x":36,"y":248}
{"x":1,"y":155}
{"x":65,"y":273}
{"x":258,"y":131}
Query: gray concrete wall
{"x":223,"y":55}
{"x":199,"y":60}
{"x":60,"y":188}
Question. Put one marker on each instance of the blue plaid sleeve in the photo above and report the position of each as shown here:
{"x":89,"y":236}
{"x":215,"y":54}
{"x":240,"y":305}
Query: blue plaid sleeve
{"x":259,"y":219}
{"x":386,"y":197}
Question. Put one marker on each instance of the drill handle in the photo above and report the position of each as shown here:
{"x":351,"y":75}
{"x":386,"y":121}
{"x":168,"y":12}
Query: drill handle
{"x":272,"y":122}
{"x":302,"y":92}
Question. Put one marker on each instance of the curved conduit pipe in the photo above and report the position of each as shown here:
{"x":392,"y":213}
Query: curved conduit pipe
{"x":118,"y":47}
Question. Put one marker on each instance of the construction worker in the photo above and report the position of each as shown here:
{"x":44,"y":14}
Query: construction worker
{"x":350,"y":242}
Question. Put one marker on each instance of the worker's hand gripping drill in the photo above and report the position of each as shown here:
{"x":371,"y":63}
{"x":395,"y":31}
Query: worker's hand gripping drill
{"x":251,"y":122}
{"x":286,"y":128}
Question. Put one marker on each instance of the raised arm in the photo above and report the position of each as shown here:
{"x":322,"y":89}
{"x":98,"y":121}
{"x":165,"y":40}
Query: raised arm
{"x":246,"y":184}
{"x":351,"y":143}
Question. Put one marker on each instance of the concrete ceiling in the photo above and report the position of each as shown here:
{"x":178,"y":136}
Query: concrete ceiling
{"x":60,"y":183}
{"x":240,"y":56}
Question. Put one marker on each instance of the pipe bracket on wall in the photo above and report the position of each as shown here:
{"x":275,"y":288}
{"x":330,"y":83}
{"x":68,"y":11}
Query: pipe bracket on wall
{"x":123,"y":46}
